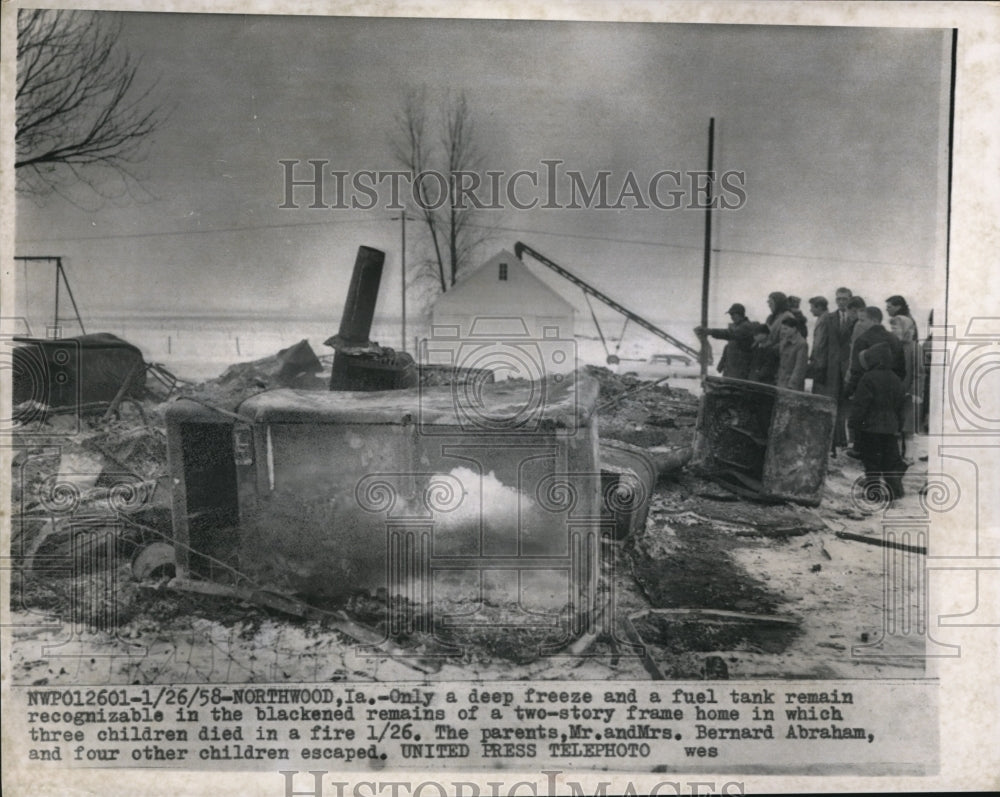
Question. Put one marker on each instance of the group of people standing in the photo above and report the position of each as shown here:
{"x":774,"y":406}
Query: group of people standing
{"x":873,"y":373}
{"x":774,"y":352}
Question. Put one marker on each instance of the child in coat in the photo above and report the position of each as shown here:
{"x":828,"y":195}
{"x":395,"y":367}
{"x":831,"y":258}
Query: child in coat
{"x":877,"y":417}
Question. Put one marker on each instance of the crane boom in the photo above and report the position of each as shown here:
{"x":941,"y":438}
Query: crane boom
{"x":586,"y":287}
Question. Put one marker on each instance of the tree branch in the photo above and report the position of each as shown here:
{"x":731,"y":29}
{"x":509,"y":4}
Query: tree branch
{"x":78,"y":101}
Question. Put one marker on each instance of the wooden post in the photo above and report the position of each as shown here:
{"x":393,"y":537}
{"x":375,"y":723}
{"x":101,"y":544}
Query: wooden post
{"x":126,"y":384}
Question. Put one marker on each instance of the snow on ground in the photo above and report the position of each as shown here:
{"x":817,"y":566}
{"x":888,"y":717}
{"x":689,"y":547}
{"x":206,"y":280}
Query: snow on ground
{"x":709,"y":553}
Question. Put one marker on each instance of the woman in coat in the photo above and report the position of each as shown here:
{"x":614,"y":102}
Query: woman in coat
{"x":902,"y":325}
{"x":777,"y":303}
{"x":794,"y":356}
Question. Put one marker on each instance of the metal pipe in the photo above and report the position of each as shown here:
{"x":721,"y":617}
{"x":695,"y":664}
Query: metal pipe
{"x":72,"y":299}
{"x":359,"y":308}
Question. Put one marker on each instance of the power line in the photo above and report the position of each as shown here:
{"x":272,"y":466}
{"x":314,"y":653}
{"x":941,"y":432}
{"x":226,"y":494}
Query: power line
{"x":578,"y":236}
{"x":198,"y":231}
{"x":819,"y":257}
{"x":585,"y":237}
{"x":717,"y":250}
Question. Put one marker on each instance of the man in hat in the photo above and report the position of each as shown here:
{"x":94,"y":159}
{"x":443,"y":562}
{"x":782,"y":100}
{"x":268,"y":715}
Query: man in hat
{"x":735,"y":361}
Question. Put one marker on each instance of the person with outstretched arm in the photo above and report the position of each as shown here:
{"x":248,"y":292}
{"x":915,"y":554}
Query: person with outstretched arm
{"x":735,"y":360}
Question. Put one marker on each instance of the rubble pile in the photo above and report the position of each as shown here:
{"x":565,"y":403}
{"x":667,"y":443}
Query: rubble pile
{"x":295,"y":367}
{"x":435,"y":375}
{"x":642,"y":412}
{"x":76,"y":502}
{"x":107,"y":470}
{"x":700,"y":549}
{"x":103,"y":470}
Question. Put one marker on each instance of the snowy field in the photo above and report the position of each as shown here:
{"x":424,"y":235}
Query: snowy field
{"x":197,"y":348}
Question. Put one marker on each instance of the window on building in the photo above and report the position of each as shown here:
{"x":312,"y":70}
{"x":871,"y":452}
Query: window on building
{"x":502,"y":274}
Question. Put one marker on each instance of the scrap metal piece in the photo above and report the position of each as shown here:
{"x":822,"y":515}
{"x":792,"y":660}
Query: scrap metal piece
{"x":297,"y":360}
{"x":359,"y":307}
{"x":628,"y":477}
{"x":669,"y":459}
{"x":721,"y":614}
{"x":883,"y":543}
{"x":152,"y":557}
{"x":707,"y":616}
{"x":84,"y":373}
{"x":767,"y":441}
{"x":359,"y":363}
{"x":647,"y":661}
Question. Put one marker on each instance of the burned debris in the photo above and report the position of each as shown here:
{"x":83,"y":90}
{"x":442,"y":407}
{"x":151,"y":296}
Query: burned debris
{"x":763,"y":440}
{"x":430,"y":515}
{"x":76,"y":374}
{"x":360,"y":364}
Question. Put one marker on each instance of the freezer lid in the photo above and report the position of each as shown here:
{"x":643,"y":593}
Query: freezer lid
{"x":561,"y":401}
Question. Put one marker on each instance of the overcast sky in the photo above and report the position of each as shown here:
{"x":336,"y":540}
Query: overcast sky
{"x":838,"y":131}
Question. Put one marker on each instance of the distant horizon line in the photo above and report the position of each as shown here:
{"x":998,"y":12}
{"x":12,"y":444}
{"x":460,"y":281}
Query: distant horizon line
{"x":264,"y":313}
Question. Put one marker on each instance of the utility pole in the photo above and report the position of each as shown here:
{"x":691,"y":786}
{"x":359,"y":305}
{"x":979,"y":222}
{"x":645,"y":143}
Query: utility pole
{"x":402,"y":277}
{"x":708,"y":248}
{"x":402,"y":280}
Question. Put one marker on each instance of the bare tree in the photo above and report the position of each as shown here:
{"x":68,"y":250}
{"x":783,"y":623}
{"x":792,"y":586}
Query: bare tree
{"x":412,"y":151}
{"x":463,"y":155}
{"x":451,"y":220}
{"x":79,"y":104}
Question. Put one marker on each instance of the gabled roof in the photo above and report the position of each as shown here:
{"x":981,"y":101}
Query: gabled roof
{"x":522,"y":293}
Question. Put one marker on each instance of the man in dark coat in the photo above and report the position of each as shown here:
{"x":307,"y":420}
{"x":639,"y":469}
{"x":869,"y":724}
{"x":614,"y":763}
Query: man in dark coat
{"x":735,"y":361}
{"x":764,"y":360}
{"x":874,"y":334}
{"x":828,"y":365}
{"x":824,"y":366}
{"x":876,"y":418}
{"x":843,"y":324}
